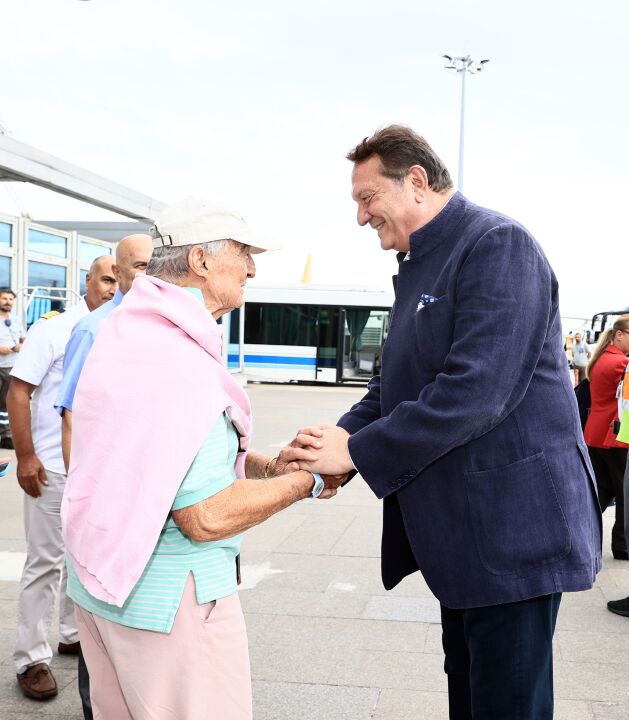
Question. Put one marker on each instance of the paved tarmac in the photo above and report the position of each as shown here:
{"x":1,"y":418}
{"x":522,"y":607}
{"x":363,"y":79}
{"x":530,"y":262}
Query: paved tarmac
{"x":327,"y":642}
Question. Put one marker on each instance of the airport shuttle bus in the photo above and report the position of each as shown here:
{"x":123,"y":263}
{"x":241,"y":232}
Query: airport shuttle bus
{"x":308,"y":333}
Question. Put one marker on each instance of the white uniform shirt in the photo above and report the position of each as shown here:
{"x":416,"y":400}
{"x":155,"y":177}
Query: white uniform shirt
{"x":40,"y":363}
{"x":10,"y":336}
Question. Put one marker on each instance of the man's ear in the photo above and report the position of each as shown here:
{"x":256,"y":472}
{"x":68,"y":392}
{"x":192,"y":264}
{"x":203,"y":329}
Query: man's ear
{"x":419,"y":181}
{"x":196,"y":261}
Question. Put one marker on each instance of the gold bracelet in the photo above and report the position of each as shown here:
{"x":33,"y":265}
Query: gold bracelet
{"x":265,"y":475}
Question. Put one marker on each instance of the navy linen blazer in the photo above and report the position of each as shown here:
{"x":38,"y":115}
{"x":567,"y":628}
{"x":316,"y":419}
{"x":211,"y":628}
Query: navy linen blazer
{"x":471,"y":433}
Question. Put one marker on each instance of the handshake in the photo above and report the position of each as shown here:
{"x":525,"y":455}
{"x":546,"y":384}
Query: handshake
{"x":321,"y":449}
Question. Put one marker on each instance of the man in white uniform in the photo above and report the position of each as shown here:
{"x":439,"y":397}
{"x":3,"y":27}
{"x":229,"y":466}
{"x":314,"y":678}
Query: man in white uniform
{"x":36,"y":429}
{"x":11,"y":338}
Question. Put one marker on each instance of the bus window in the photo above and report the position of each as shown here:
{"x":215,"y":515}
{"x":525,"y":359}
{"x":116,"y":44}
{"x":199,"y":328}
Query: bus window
{"x":327,"y":345}
{"x":276,"y":324}
{"x":234,"y":326}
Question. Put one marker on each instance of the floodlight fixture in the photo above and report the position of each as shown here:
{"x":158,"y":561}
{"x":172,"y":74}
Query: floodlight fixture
{"x":463,"y":65}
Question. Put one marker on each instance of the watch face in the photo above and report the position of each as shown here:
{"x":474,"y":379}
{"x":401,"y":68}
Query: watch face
{"x":318,"y":486}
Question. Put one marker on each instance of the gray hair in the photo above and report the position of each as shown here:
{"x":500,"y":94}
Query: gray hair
{"x":170,"y":262}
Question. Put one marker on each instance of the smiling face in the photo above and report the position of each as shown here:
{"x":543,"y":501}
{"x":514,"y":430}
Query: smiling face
{"x":390,"y":207}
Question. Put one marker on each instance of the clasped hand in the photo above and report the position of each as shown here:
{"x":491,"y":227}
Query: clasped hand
{"x":321,"y":449}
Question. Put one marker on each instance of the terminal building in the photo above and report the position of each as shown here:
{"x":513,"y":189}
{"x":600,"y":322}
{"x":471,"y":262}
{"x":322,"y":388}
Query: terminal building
{"x":45,"y":262}
{"x":44,"y":265}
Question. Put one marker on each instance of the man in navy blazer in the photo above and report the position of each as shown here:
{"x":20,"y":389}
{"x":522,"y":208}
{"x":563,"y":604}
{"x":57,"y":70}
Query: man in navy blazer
{"x":471,"y":433}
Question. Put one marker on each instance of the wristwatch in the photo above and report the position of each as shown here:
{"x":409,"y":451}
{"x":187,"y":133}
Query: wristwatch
{"x":318,"y":486}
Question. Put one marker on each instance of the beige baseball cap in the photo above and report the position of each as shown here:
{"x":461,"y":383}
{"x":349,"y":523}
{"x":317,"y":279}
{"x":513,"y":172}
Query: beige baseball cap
{"x":193,"y":221}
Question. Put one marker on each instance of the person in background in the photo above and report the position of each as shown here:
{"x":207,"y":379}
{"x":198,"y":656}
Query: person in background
{"x":132,"y":255}
{"x":12,"y":335}
{"x":609,"y":456}
{"x":621,"y":607}
{"x":580,"y":356}
{"x":36,"y":429}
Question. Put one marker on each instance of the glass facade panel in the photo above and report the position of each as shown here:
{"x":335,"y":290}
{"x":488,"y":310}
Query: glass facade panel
{"x":45,"y":275}
{"x":5,"y":234}
{"x":82,"y":287}
{"x":5,"y":272}
{"x":47,"y":244}
{"x":88,"y":252}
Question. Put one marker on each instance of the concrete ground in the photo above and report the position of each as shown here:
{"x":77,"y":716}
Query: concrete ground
{"x":327,"y":642}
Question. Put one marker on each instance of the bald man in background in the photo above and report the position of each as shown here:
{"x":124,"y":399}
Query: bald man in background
{"x":132,"y":255}
{"x":36,"y":430}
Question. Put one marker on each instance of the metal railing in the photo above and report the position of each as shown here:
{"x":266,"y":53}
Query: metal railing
{"x":40,"y":299}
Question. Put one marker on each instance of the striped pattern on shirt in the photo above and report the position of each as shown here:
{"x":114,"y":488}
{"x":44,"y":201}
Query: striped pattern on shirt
{"x":153,"y":602}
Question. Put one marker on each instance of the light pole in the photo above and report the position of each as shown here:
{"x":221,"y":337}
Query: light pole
{"x":463,"y":65}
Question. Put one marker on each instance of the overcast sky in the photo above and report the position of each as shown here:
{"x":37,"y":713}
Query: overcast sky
{"x":256,"y":104}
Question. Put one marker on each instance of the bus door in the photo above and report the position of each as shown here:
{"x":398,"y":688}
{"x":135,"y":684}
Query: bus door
{"x":328,"y":346}
{"x":365,"y":330}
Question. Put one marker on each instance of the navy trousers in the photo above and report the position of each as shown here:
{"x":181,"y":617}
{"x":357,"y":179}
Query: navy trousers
{"x":499,"y":660}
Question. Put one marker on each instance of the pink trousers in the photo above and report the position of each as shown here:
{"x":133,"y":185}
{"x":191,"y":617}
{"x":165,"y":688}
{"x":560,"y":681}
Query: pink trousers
{"x":200,"y":671}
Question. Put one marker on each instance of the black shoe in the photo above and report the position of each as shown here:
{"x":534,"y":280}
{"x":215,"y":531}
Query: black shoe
{"x":69,"y":648}
{"x":620,"y":554}
{"x":620,"y":607}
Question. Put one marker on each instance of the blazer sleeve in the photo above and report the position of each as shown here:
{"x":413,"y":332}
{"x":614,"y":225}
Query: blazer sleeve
{"x":502,"y":304}
{"x":365,"y":411}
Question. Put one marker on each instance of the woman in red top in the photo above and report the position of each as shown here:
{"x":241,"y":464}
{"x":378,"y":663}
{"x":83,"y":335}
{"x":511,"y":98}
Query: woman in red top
{"x":609,"y":457}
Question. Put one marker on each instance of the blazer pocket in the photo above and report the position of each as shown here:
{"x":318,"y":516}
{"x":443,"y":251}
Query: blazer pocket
{"x":433,"y":329}
{"x":517,"y":521}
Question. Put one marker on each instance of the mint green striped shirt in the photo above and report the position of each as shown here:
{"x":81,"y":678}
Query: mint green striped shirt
{"x":153,"y":602}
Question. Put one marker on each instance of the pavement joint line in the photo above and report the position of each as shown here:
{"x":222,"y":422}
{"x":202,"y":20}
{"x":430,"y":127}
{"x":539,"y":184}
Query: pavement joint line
{"x":374,"y":652}
{"x":598,"y":663}
{"x":380,"y":688}
{"x":319,"y":617}
{"x":325,"y":555}
{"x":378,"y":696}
{"x":342,"y":535}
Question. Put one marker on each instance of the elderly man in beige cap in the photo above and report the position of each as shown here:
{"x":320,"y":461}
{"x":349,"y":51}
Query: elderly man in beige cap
{"x":154,"y":510}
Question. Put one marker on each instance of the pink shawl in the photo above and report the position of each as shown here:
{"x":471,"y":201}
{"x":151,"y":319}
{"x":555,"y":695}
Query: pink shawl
{"x":153,"y":386}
